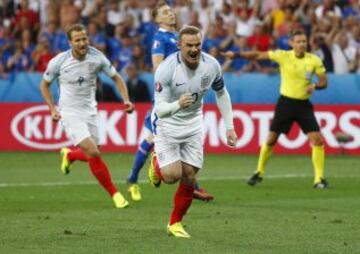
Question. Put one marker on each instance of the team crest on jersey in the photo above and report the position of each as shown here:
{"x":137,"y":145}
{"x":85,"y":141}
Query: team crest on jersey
{"x":156,"y":44}
{"x":158,"y":87}
{"x":173,"y":40}
{"x":205,"y":81}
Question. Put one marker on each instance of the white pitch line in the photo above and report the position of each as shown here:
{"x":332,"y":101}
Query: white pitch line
{"x":216,"y":178}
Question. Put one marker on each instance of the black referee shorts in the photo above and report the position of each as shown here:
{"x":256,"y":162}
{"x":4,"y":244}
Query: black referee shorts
{"x":288,"y":111}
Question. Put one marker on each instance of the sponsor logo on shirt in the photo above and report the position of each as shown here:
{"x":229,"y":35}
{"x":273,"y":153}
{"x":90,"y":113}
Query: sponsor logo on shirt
{"x":180,"y":84}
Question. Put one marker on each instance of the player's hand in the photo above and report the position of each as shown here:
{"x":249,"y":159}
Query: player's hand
{"x":55,"y":115}
{"x":129,"y":107}
{"x":231,"y":138}
{"x":228,"y":54}
{"x":311,"y":88}
{"x":185,"y":100}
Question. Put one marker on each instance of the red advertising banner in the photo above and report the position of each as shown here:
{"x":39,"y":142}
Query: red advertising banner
{"x":28,"y":127}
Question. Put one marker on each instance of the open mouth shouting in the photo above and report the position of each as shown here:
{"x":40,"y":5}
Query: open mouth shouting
{"x":194,"y":55}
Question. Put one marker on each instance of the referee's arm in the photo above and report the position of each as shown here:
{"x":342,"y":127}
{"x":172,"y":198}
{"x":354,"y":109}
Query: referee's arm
{"x":322,"y":84}
{"x":249,"y":55}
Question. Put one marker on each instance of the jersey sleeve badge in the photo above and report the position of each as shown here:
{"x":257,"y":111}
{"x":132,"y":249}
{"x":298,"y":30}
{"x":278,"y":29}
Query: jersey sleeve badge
{"x":158,"y":87}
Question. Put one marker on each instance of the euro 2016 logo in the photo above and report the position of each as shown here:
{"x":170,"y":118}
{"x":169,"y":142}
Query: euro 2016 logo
{"x":158,"y":87}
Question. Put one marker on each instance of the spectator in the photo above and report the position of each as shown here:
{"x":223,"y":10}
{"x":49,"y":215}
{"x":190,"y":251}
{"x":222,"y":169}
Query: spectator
{"x":114,"y":15}
{"x":238,"y":65}
{"x":227,"y":15}
{"x":42,"y":55}
{"x":61,"y":42}
{"x":206,"y":15}
{"x":130,"y":21}
{"x":194,"y":20}
{"x":106,"y":29}
{"x":19,"y":61}
{"x":182,"y":10}
{"x":345,"y":55}
{"x":260,"y":40}
{"x":50,"y":34}
{"x":26,"y":16}
{"x":114,"y":42}
{"x":96,"y":38}
{"x":320,"y":48}
{"x":289,"y":24}
{"x":246,"y":21}
{"x":6,"y":44}
{"x":209,"y":39}
{"x":328,"y":9}
{"x":69,"y":13}
{"x":125,"y":56}
{"x":27,"y":43}
{"x":138,"y":59}
{"x":137,"y":89}
{"x":354,"y":36}
{"x":132,"y":8}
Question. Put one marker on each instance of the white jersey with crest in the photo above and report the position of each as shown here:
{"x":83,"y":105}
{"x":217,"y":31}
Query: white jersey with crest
{"x":172,"y":79}
{"x":77,"y":80}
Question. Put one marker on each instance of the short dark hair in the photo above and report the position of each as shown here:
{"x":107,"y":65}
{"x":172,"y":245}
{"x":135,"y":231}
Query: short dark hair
{"x":297,"y":32}
{"x":192,"y":30}
{"x":155,"y":11}
{"x":77,"y":28}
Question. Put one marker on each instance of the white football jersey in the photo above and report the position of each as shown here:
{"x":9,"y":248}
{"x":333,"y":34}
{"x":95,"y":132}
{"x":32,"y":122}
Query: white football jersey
{"x":77,"y":80}
{"x":173,"y":79}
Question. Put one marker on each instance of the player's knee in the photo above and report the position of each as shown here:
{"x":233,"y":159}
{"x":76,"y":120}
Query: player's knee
{"x":93,"y":152}
{"x":272,"y":139}
{"x":317,"y":141}
{"x":173,"y":174}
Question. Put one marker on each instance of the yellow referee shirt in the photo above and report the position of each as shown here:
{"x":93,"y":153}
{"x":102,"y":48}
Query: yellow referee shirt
{"x":296,"y":72}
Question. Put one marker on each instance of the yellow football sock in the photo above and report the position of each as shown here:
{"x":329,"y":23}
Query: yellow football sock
{"x":318,"y":160}
{"x":265,"y":153}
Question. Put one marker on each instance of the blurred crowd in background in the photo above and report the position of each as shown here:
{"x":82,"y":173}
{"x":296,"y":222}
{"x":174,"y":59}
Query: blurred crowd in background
{"x":32,"y":32}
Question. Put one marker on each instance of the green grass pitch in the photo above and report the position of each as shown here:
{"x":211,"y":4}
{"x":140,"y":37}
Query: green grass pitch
{"x":42,"y":211}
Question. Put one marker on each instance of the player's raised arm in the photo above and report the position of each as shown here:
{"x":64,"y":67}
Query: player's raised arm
{"x":249,"y":55}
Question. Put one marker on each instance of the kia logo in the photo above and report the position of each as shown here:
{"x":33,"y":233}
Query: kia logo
{"x":34,"y":127}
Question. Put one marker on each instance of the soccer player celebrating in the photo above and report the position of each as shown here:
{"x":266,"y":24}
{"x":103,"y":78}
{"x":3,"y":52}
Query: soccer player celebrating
{"x":296,"y":69}
{"x":181,"y":81}
{"x":164,"y":44}
{"x":76,"y":71}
